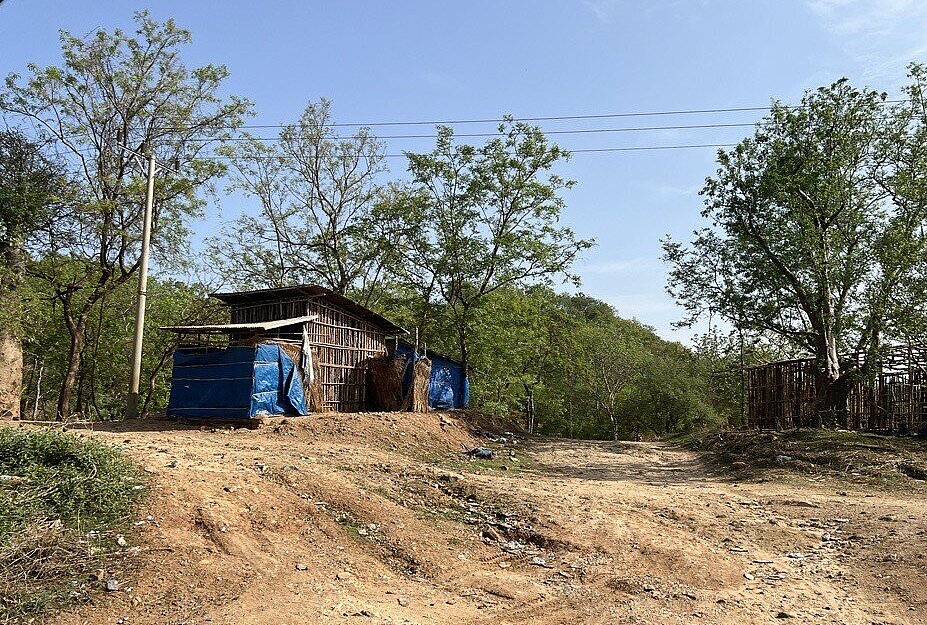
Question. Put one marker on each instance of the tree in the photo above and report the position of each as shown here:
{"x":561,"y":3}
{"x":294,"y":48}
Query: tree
{"x":516,"y":338}
{"x":322,"y":217}
{"x":487,"y":219}
{"x":116,"y":90}
{"x":816,"y":231}
{"x":30,"y":185}
{"x":611,"y":368}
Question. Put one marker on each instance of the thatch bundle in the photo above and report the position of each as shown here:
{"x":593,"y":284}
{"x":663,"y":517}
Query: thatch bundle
{"x":417,"y":399}
{"x":385,"y":377}
{"x":315,"y":392}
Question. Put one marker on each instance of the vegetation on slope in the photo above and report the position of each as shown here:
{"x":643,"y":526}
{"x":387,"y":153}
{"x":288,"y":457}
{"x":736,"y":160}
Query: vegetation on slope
{"x":63,"y":500}
{"x":889,"y":461}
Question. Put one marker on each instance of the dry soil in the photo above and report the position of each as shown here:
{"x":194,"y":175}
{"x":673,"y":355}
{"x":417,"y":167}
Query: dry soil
{"x":379,"y":518}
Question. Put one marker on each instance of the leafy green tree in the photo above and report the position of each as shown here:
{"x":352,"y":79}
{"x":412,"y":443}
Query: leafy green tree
{"x":31,"y":184}
{"x":322,"y":217}
{"x":817,"y":231}
{"x":516,"y":338}
{"x":488,"y":218}
{"x":99,"y":389}
{"x":115,"y":90}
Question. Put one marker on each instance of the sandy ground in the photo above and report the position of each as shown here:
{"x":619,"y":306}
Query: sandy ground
{"x":379,"y":519}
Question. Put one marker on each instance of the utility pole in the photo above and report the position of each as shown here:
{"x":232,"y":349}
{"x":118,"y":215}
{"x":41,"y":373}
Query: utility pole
{"x":132,"y":400}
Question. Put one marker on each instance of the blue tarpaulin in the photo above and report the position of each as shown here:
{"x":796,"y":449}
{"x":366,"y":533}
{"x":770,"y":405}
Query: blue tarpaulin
{"x":448,"y":387}
{"x":235,"y":383}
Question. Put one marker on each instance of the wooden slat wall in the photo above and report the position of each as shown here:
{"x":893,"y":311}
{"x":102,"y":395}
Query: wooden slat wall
{"x":341,"y":341}
{"x":781,"y":394}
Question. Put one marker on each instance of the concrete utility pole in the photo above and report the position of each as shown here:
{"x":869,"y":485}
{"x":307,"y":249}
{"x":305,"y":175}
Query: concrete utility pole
{"x":132,"y":400}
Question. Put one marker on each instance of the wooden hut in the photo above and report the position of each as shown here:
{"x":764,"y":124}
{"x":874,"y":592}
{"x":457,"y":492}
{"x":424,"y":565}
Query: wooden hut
{"x":330,"y":337}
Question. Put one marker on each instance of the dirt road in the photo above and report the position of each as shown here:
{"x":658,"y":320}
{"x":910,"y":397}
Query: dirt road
{"x":380,"y":519}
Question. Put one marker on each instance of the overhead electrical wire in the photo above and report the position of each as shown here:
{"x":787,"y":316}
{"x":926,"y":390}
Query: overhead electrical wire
{"x":547,"y":118}
{"x":633,"y":148}
{"x":555,"y":131}
{"x":546,"y":132}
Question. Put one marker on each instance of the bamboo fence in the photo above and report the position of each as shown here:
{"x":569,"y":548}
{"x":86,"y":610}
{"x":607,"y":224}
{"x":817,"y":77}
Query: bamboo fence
{"x":893,"y":398}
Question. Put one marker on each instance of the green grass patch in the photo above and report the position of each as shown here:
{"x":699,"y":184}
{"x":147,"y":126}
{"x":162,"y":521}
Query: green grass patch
{"x":857,"y":456}
{"x":63,"y":499}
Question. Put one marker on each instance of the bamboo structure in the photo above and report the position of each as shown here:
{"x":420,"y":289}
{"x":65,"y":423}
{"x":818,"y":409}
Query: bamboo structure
{"x":893,"y":398}
{"x":343,"y":338}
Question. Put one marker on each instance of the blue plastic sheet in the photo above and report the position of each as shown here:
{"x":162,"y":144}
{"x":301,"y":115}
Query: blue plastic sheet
{"x":235,"y":383}
{"x":448,"y":387}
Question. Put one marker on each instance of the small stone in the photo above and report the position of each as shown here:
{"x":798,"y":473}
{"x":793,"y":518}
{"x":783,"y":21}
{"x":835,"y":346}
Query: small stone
{"x":344,"y":576}
{"x":403,"y":602}
{"x":301,"y":567}
{"x":739,"y":465}
{"x":748,"y":575}
{"x":121,"y":540}
{"x":112,"y":585}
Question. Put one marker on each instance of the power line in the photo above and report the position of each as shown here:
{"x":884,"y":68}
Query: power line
{"x":547,"y":118}
{"x":496,"y":134}
{"x":635,"y":148}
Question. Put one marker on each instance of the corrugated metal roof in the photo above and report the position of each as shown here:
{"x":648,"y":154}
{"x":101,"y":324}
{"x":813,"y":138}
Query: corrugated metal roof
{"x":228,"y":328}
{"x":310,"y":290}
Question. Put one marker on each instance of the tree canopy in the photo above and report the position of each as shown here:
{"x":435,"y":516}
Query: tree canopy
{"x":117,"y":95}
{"x":816,"y":230}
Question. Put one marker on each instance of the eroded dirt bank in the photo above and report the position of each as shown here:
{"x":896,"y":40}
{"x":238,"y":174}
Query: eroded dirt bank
{"x":378,"y":518}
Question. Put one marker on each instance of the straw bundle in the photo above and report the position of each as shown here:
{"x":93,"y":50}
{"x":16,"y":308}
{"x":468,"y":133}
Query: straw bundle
{"x":315,"y":392}
{"x":417,"y":400}
{"x":385,"y":377}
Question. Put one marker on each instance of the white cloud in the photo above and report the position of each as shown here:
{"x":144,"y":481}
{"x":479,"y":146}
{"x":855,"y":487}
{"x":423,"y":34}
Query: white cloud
{"x":668,"y":189}
{"x":601,"y":9}
{"x":882,"y":35}
{"x":642,"y":306}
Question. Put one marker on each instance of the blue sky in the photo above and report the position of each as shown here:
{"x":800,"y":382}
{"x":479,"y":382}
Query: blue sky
{"x":428,"y":60}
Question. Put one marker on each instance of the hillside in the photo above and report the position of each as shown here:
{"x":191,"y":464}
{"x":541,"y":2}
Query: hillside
{"x":379,"y":518}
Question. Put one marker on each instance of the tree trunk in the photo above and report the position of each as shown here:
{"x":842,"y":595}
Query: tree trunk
{"x":76,"y":329}
{"x":11,"y":373}
{"x":833,"y":391}
{"x":462,"y":340}
{"x":11,"y":349}
{"x":529,"y":408}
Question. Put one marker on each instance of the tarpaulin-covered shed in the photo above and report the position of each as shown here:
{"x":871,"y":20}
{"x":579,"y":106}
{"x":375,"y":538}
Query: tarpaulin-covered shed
{"x":238,"y":382}
{"x":325,"y":337}
{"x":448,"y":386}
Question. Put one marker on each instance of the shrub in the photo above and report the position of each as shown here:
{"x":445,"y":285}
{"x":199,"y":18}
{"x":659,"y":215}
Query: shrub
{"x":63,"y":497}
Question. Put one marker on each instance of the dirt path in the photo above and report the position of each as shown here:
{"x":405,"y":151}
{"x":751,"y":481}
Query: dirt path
{"x":379,"y":519}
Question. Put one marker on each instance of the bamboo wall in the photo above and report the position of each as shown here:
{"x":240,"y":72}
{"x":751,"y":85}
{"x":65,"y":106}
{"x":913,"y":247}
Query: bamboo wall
{"x":342,"y":343}
{"x":781,"y":395}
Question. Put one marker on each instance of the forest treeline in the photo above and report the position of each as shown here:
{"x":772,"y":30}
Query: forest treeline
{"x":466,"y":247}
{"x":814,"y":243}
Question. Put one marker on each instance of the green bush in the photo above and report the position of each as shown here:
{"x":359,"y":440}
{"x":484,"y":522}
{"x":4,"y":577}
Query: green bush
{"x":63,"y":498}
{"x":84,"y":484}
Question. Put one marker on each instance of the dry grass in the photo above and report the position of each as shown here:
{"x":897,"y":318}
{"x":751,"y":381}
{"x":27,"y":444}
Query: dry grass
{"x":63,"y":499}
